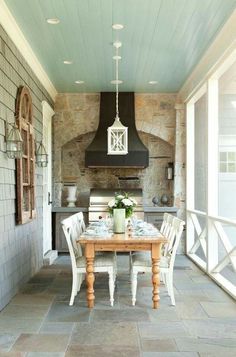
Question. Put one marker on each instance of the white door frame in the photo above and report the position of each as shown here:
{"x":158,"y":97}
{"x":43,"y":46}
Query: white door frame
{"x":49,"y":255}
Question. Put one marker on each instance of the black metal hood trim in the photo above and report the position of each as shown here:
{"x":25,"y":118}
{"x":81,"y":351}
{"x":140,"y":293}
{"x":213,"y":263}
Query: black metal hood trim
{"x":96,"y":152}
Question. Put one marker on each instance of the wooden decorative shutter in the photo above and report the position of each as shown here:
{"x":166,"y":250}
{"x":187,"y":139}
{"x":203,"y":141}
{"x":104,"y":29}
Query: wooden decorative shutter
{"x":26,"y":165}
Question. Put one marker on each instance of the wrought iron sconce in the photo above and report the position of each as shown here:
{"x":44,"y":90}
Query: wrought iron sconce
{"x":169,"y":171}
{"x":14,"y":141}
{"x":41,"y":155}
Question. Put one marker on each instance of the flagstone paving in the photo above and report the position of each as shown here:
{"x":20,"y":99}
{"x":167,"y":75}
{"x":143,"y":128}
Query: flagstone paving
{"x":38,"y":322}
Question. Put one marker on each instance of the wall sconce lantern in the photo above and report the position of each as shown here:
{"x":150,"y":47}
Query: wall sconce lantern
{"x":169,"y":171}
{"x":14,"y":142}
{"x":41,"y":155}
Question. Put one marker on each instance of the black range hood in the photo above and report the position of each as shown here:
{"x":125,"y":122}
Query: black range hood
{"x":96,"y":153}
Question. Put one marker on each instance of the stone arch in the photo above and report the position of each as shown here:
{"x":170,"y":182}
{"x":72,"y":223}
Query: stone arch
{"x":158,"y":129}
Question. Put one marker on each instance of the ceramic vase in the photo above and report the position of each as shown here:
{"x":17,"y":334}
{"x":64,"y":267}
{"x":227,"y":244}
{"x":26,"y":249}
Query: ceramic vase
{"x":119,"y":220}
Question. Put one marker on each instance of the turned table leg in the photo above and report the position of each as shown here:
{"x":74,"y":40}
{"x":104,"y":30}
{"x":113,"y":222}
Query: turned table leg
{"x":156,"y":249}
{"x":89,"y":253}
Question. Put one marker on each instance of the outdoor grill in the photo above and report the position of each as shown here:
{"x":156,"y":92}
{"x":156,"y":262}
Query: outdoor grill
{"x":99,"y":198}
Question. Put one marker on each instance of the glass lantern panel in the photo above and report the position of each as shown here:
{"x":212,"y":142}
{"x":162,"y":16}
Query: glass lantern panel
{"x":14,"y":149}
{"x":26,"y":194}
{"x":25,"y":171}
{"x":24,"y":135}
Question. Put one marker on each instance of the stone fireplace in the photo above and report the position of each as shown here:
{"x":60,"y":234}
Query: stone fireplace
{"x":151,"y":179}
{"x":74,"y":126}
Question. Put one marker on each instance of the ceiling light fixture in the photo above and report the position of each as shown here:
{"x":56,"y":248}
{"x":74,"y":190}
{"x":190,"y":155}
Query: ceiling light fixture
{"x":152,"y":82}
{"x":67,"y":62}
{"x":116,"y":81}
{"x":117,"y":134}
{"x":117,"y":26}
{"x":79,"y":82}
{"x":54,"y":21}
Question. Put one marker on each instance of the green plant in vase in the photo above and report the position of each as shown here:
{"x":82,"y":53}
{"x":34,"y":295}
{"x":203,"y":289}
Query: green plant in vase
{"x":122,"y":201}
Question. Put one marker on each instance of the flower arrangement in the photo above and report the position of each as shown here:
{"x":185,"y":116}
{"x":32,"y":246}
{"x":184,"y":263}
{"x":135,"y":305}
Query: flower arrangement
{"x":122,"y":201}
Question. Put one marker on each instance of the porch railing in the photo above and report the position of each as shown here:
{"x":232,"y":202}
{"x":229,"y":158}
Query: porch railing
{"x":200,"y":228}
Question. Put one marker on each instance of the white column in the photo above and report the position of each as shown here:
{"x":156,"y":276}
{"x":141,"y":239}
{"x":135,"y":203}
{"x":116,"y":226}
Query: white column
{"x":180,"y":160}
{"x":212,"y":172}
{"x":190,"y":184}
{"x":49,"y":254}
{"x":179,"y":168}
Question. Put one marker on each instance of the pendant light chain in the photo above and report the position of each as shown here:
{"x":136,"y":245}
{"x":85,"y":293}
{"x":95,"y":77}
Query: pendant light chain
{"x":117,"y":133}
{"x":117,"y":86}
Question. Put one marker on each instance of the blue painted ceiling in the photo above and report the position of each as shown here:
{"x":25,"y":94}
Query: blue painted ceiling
{"x":162,"y":40}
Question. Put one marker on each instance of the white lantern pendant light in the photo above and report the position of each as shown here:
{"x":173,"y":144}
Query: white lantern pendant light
{"x":117,"y":134}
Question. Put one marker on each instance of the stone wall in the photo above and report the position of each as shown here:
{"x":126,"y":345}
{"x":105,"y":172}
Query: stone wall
{"x":151,"y":179}
{"x":74,"y":124}
{"x":21,"y":247}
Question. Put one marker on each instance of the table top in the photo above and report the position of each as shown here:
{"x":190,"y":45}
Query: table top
{"x":120,"y":238}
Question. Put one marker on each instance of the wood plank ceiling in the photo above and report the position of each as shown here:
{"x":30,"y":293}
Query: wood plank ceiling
{"x":162,"y":40}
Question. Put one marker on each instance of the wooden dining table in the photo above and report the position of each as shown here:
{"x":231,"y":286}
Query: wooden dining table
{"x":126,"y":242}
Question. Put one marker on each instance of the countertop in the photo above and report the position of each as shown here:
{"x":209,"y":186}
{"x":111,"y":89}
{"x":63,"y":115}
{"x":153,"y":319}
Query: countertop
{"x":69,"y":209}
{"x":147,"y":209}
{"x":160,"y":209}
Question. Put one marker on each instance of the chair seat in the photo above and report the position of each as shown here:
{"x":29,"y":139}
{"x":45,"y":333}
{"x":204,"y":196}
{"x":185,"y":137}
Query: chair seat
{"x":144,"y":260}
{"x":103,"y":260}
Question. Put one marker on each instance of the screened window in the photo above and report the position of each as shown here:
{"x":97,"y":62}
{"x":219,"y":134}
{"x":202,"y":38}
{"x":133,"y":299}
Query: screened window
{"x":228,"y":161}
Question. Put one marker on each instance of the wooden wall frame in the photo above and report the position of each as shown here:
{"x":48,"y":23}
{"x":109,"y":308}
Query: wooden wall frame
{"x":25,"y":167}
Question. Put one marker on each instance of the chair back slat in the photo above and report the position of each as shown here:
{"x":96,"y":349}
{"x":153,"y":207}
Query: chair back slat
{"x":73,"y":227}
{"x":174,"y":240}
{"x":164,"y":223}
{"x":168,"y":231}
{"x":170,"y":218}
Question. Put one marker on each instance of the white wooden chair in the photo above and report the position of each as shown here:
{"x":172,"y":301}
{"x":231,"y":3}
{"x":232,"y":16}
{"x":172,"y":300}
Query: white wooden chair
{"x":165,"y":230}
{"x":142,"y":263}
{"x":73,"y":227}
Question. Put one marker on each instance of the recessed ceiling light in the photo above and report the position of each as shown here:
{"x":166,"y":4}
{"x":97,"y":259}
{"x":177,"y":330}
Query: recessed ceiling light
{"x":79,"y":82}
{"x":67,"y":62}
{"x":117,"y":26}
{"x":116,"y":57}
{"x":152,"y":82}
{"x":54,"y":21}
{"x":118,"y":81}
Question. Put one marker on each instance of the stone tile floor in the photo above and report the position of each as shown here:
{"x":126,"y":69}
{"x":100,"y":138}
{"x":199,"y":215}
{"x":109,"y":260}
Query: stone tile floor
{"x":39,"y":323}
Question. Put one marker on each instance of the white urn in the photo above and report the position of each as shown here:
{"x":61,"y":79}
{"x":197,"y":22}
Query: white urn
{"x":71,"y":198}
